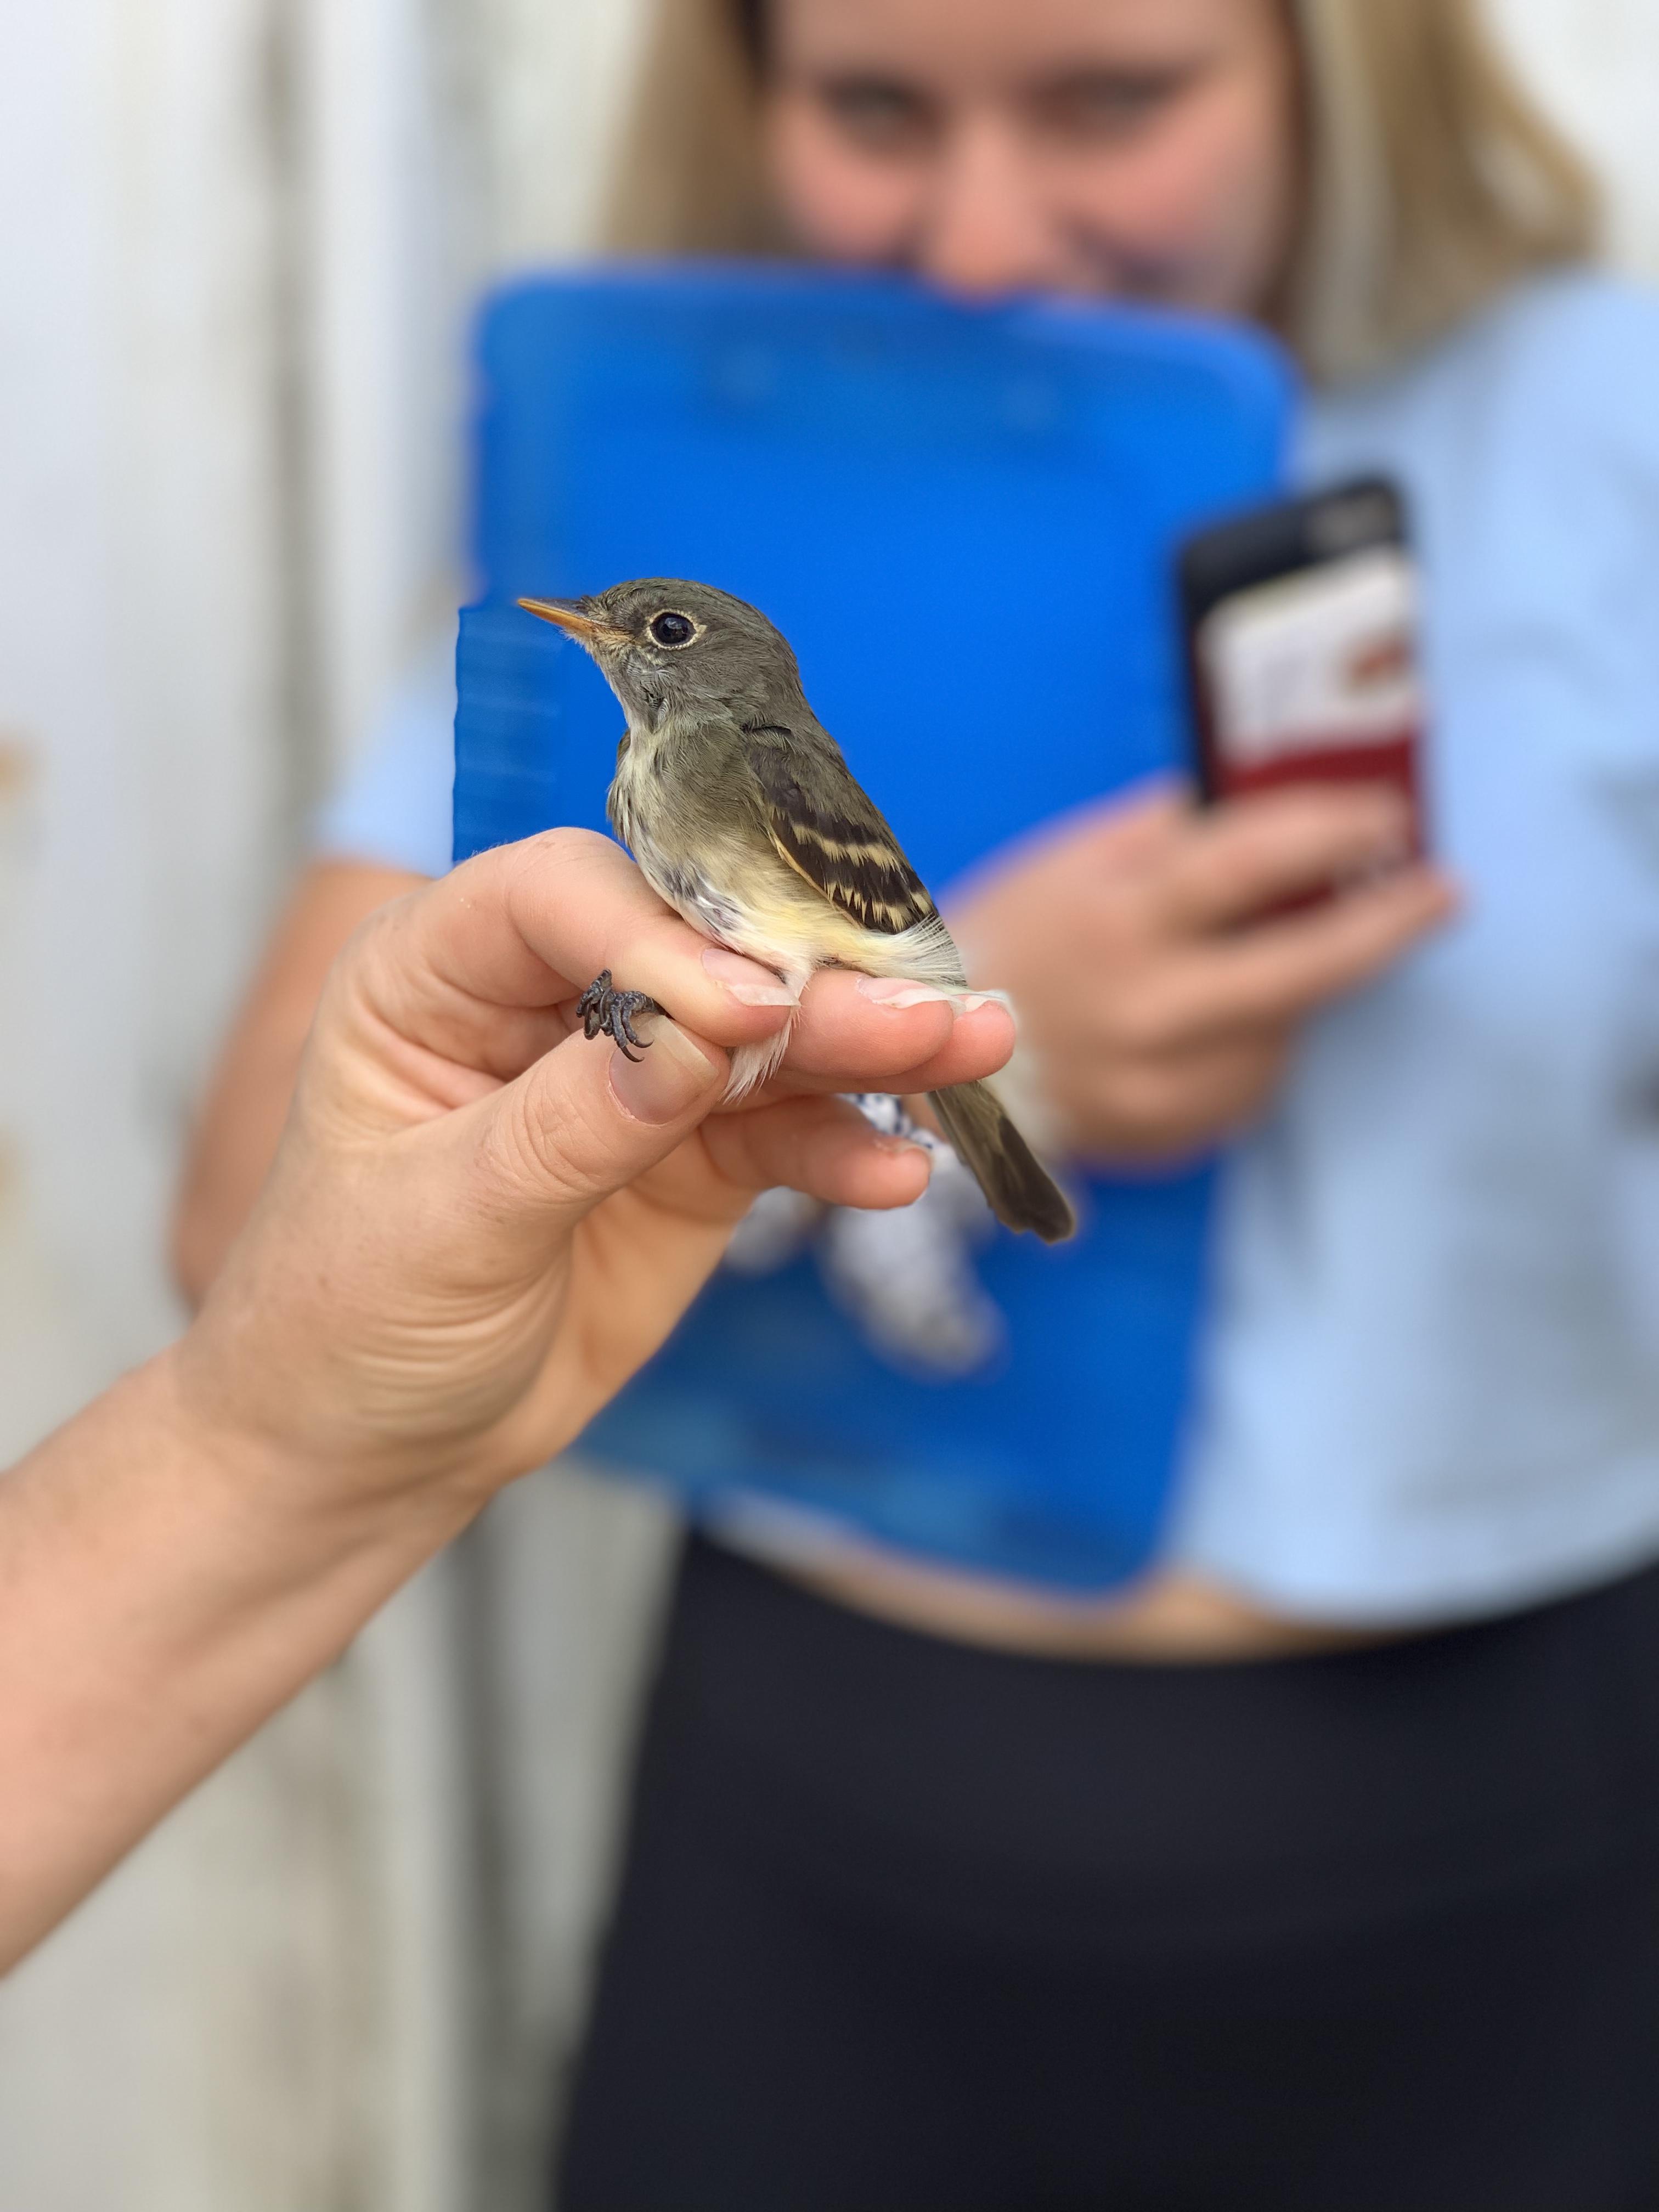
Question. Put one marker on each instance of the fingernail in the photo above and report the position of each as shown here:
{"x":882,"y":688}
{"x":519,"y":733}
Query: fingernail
{"x":670,"y":1075}
{"x":905,"y":1145}
{"x":748,"y":982}
{"x":899,"y":992}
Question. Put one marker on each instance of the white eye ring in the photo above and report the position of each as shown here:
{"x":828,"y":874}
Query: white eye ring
{"x":674,"y":644}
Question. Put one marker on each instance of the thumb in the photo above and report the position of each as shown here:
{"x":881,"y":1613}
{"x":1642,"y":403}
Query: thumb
{"x":585,"y":1119}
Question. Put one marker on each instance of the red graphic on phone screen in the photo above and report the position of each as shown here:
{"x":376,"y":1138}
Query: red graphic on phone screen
{"x":1313,"y":676}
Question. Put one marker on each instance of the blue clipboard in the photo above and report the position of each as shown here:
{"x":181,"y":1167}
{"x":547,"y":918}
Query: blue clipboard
{"x":964,"y":519}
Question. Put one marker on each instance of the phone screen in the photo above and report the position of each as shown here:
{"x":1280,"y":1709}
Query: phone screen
{"x":1301,"y":643}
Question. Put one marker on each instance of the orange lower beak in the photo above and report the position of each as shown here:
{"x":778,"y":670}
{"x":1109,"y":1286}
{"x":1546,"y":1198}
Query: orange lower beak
{"x":570,"y":615}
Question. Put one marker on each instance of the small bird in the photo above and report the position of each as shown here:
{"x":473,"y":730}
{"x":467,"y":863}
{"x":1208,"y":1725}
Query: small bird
{"x":743,"y":815}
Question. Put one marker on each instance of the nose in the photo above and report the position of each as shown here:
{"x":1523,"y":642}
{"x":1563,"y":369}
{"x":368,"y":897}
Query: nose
{"x":984,"y":231}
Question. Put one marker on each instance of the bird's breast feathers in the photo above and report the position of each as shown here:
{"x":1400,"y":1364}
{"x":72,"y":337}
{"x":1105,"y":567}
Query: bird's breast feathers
{"x":769,"y":875}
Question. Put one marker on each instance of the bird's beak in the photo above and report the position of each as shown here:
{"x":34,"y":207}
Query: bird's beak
{"x":572,"y":617}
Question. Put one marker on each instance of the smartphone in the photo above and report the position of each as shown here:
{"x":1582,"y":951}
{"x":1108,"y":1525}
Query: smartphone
{"x":1301,"y":630}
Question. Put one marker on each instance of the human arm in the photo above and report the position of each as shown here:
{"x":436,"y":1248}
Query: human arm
{"x":1159,"y":980}
{"x":477,"y":1225}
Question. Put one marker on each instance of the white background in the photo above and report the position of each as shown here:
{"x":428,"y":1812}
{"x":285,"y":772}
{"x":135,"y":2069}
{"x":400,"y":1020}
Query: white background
{"x":238,"y":240}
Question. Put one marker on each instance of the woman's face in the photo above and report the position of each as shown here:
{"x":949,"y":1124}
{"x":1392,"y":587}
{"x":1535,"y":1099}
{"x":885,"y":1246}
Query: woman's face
{"x":1144,"y":148}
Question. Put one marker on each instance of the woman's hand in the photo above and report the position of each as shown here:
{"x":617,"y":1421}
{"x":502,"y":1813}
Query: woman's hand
{"x":1159,"y":992}
{"x":480,"y":1223}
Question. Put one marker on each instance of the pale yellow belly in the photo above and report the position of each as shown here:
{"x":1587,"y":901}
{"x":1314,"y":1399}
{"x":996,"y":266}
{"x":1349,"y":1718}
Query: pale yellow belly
{"x":759,"y":906}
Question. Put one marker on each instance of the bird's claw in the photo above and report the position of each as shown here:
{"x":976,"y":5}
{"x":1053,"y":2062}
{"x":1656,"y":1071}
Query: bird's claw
{"x":603,"y":1011}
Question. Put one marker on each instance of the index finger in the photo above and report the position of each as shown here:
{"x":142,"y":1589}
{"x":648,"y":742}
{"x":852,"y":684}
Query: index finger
{"x":490,"y":955}
{"x":848,"y":1038}
{"x":487,"y":955}
{"x":1255,"y":853}
{"x":1282,"y":970}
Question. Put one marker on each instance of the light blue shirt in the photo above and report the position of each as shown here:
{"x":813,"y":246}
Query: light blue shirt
{"x":1433,"y":1371}
{"x":1431,"y":1385}
{"x":398,"y":807}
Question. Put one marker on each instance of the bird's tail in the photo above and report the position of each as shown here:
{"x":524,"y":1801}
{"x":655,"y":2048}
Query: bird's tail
{"x":1017,"y":1188}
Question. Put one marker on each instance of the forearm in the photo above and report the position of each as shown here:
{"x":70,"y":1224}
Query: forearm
{"x":162,"y":1591}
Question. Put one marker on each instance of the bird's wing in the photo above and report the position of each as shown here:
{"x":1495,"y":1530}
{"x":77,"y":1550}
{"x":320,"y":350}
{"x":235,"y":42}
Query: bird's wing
{"x":827,"y":830}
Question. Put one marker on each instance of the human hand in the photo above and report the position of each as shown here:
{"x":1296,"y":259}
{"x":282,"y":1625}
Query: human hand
{"x":479,"y":1224}
{"x":1158,"y":1020}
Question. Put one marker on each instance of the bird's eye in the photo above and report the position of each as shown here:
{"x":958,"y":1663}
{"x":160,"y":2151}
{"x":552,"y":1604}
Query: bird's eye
{"x":672,"y":629}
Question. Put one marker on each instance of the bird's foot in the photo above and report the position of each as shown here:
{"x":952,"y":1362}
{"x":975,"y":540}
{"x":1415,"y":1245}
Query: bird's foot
{"x":603,"y":1011}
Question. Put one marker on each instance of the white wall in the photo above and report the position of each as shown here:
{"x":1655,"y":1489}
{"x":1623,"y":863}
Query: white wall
{"x":1594,"y":64}
{"x":238,"y":235}
{"x":237,"y":238}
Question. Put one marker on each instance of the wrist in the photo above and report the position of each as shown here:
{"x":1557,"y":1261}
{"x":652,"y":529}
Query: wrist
{"x":259,"y":1456}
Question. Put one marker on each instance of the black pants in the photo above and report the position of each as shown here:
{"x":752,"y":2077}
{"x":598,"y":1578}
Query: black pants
{"x":909,"y":1927}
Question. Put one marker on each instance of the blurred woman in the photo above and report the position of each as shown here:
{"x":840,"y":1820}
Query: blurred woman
{"x":1319,"y":1868}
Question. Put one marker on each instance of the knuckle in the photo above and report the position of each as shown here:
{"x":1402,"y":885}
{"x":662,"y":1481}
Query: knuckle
{"x":1147,"y":1102}
{"x":1284,"y":989}
{"x":1145,"y":1018}
{"x":1364,"y":934}
{"x":531,"y":1153}
{"x":1133,"y":1028}
{"x":1222,"y":878}
{"x":563,"y":845}
{"x":553,"y":859}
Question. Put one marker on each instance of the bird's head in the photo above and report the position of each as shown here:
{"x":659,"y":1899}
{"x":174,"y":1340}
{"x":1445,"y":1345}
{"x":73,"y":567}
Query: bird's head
{"x":668,"y":647}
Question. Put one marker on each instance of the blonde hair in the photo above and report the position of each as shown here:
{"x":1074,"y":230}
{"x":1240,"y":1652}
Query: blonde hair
{"x":1431,"y":182}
